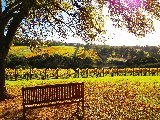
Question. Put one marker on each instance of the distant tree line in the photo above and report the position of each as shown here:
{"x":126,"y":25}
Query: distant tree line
{"x":132,"y":56}
{"x":25,"y":42}
{"x":48,"y":61}
{"x":58,"y":61}
{"x":121,"y":56}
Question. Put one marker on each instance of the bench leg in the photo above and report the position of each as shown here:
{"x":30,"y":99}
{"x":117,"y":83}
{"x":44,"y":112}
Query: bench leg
{"x":81,"y":111}
{"x":78,"y":106}
{"x":24,"y":117}
{"x":83,"y":108}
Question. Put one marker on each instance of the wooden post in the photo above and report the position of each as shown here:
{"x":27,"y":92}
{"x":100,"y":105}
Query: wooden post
{"x":45,"y":74}
{"x":117,"y":72}
{"x":10,"y":76}
{"x":30,"y":72}
{"x":112,"y":72}
{"x":100,"y":72}
{"x":78,"y":72}
{"x":141,"y":71}
{"x":27,"y":76}
{"x":125,"y":71}
{"x":103,"y":71}
{"x":96,"y":72}
{"x":6,"y":76}
{"x":57,"y":73}
{"x":133,"y":71}
{"x":87,"y":71}
{"x":15,"y":74}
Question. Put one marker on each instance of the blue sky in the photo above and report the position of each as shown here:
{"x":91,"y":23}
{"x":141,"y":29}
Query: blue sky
{"x":3,"y":4}
{"x":118,"y":37}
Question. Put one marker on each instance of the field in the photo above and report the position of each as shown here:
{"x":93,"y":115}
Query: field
{"x":117,"y":98}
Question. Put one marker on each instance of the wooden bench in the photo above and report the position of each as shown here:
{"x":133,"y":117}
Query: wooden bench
{"x":52,"y":95}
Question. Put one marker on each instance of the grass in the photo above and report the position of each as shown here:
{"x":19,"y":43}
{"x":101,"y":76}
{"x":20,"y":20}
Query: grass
{"x":119,"y":97}
{"x":132,"y":79}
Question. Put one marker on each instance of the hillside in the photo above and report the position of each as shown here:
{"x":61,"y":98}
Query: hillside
{"x":97,"y":56}
{"x":67,"y":51}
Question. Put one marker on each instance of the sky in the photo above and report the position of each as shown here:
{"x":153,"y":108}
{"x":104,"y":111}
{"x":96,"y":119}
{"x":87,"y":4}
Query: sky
{"x":118,"y":37}
{"x":122,"y":37}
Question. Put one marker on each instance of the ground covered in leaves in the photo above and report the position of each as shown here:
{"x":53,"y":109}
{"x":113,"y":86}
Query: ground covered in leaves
{"x":120,"y":100}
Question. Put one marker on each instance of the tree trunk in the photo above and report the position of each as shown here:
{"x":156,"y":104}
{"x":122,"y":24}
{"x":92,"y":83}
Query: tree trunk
{"x":6,"y":40}
{"x":3,"y":92}
{"x":3,"y":55}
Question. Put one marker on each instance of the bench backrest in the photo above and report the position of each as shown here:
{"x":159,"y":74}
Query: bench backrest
{"x":52,"y":93}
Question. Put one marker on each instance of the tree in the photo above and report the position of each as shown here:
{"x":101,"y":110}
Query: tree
{"x":140,"y":54}
{"x":153,"y":51}
{"x":30,"y":18}
{"x":132,"y":52}
{"x":33,"y":19}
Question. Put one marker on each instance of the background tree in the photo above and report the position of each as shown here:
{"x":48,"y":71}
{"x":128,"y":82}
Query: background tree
{"x":38,"y":19}
{"x":140,"y":54}
{"x":154,"y":51}
{"x":132,"y":52}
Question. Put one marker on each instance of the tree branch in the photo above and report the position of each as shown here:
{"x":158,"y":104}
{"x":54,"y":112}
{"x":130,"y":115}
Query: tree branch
{"x":17,"y":19}
{"x":58,"y":19}
{"x":7,"y":9}
{"x":13,"y":28}
{"x":7,"y":16}
{"x":58,"y":6}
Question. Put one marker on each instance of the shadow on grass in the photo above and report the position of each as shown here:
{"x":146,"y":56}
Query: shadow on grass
{"x":12,"y":115}
{"x":32,"y":114}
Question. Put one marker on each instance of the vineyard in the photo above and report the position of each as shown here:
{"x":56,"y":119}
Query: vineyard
{"x":41,"y":74}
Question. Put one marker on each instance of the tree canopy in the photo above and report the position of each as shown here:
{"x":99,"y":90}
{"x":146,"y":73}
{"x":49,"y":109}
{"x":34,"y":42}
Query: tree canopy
{"x":38,"y":19}
{"x":42,"y":18}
